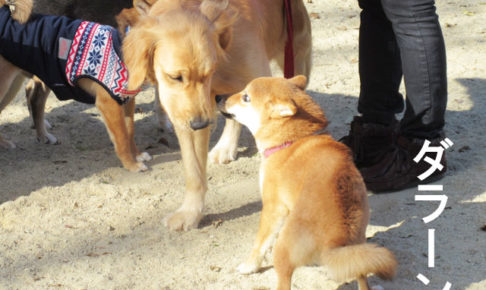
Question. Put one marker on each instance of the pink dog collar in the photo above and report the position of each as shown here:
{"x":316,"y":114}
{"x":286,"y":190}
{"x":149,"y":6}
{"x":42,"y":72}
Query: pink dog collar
{"x":270,"y":151}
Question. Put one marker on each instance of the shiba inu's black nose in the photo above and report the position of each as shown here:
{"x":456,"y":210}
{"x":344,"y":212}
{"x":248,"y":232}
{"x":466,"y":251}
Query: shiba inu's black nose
{"x":221,"y":98}
{"x":198,"y":123}
{"x":221,"y":101}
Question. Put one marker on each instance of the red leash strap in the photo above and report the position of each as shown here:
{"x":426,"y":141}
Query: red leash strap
{"x":289,"y":45}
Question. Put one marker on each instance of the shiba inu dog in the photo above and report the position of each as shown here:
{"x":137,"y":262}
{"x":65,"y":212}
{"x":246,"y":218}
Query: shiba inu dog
{"x":314,"y":198}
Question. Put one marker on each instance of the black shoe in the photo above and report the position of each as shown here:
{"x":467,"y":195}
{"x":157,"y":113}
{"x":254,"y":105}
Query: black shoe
{"x":397,"y":170}
{"x":369,"y":142}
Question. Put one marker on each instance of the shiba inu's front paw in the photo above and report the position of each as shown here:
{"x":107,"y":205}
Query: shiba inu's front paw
{"x":222,"y":154}
{"x":183,"y":220}
{"x":144,"y":156}
{"x":248,"y":268}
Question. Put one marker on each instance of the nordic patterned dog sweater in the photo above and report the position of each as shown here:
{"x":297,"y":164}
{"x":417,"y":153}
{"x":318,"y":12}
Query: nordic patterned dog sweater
{"x":60,"y":51}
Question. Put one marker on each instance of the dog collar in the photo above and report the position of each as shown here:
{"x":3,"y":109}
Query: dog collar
{"x":270,"y":151}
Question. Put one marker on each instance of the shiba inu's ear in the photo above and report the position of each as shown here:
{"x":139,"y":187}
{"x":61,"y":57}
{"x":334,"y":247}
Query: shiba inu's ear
{"x":300,"y":81}
{"x":223,"y":17}
{"x":138,"y":49}
{"x":283,"y":109}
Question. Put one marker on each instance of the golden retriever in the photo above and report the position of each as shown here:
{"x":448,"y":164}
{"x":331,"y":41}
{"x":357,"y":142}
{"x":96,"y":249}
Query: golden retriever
{"x":193,"y":50}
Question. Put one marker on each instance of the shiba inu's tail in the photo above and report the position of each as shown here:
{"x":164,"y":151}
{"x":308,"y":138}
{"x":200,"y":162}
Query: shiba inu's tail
{"x":20,"y":9}
{"x":353,"y":261}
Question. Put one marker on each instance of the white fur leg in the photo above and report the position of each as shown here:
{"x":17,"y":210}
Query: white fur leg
{"x":226,"y":149}
{"x":161,"y":115}
{"x":47,"y":124}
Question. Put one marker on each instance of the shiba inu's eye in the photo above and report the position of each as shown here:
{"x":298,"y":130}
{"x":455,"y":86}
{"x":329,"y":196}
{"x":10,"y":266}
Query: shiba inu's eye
{"x":177,"y":78}
{"x":245,"y":98}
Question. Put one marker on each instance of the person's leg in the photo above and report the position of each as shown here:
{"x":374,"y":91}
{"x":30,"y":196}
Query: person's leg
{"x":372,"y":134}
{"x":380,"y":68}
{"x":383,"y":154}
{"x":419,"y":36}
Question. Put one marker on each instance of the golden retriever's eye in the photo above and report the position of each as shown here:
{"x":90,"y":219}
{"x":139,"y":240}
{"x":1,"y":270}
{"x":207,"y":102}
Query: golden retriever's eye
{"x":176,"y":78}
{"x":245,"y":98}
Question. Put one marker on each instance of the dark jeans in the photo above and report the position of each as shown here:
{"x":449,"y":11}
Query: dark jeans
{"x":403,"y":38}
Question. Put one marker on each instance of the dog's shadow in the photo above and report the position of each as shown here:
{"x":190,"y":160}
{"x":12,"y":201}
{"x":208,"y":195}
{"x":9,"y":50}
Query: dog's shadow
{"x":82,"y":136}
{"x":232,"y":214}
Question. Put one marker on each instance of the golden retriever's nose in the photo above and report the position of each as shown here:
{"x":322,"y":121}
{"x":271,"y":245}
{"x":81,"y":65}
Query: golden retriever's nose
{"x":198,"y":123}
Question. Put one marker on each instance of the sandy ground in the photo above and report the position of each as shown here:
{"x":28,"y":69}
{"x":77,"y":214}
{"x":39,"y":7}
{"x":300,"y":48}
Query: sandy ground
{"x":72,"y":218}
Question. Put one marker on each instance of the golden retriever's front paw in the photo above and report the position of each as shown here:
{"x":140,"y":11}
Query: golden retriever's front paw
{"x":183,"y":220}
{"x":248,"y":268}
{"x":222,"y":155}
{"x":144,"y":156}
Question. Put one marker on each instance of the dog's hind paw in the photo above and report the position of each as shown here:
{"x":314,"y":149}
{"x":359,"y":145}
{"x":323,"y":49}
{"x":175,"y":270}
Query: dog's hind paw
{"x":183,"y":220}
{"x":7,"y":144}
{"x":247,"y":268}
{"x":141,"y":167}
{"x":144,"y":156}
{"x":48,"y":139}
{"x":136,"y":167}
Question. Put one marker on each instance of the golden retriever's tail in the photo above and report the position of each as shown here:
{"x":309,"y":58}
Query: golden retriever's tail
{"x":353,"y":261}
{"x":20,"y":9}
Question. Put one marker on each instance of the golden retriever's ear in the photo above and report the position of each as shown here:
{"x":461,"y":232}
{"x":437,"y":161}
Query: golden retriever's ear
{"x":143,"y":6}
{"x":212,"y":9}
{"x":223,"y":17}
{"x":138,"y":50}
{"x":283,"y":109}
{"x":300,"y":81}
